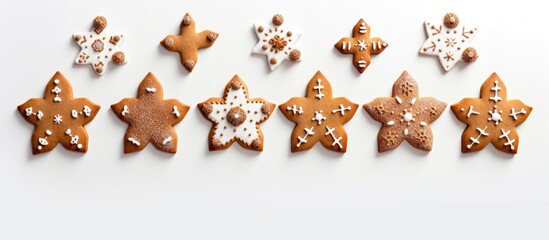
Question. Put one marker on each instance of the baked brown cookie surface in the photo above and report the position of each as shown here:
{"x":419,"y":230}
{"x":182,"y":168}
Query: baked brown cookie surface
{"x":58,"y":117}
{"x":236,"y":117}
{"x":491,"y":118}
{"x":319,"y":117}
{"x":405,"y":116}
{"x":150,"y":117}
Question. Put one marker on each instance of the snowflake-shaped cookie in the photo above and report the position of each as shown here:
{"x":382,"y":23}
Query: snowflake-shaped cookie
{"x":236,"y":117}
{"x":319,"y":117}
{"x":492,"y":118}
{"x":405,"y":115}
{"x":58,"y":117}
{"x":276,"y":42}
{"x":449,"y":42}
{"x":98,"y":47}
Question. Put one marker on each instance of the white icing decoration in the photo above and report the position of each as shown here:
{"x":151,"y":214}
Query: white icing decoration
{"x":390,"y":123}
{"x":362,"y":29}
{"x":74,"y":114}
{"x":86,"y":110}
{"x":398,"y":100}
{"x":308,"y":132}
{"x":406,"y":132}
{"x":319,"y":117}
{"x":346,"y":45}
{"x":376,"y":45}
{"x":56,"y":81}
{"x":74,"y":139}
{"x":423,"y":124}
{"x":150,"y":89}
{"x":57,"y":119}
{"x":269,"y":32}
{"x":295,"y":110}
{"x":319,"y":88}
{"x":167,"y":140}
{"x":29,"y":112}
{"x":514,"y":114}
{"x":447,"y":43}
{"x":79,"y":146}
{"x":495,"y":116}
{"x":342,"y":109}
{"x":330,"y":131}
{"x":475,"y":140}
{"x":43,"y":141}
{"x":48,"y":132}
{"x":133,"y":141}
{"x":505,"y":135}
{"x":39,"y":115}
{"x":361,"y":63}
{"x":361,"y":45}
{"x":175,"y":112}
{"x":407,"y":117}
{"x":124,"y":110}
{"x":496,"y":89}
{"x":471,"y":111}
{"x":413,"y":101}
{"x":56,"y":90}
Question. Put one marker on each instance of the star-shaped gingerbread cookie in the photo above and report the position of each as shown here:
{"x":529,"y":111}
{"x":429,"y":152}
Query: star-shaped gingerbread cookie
{"x":450,"y":42}
{"x":361,"y":45}
{"x":405,"y":115}
{"x":150,"y":117}
{"x":58,"y":117}
{"x":276,"y":42}
{"x":319,"y":117}
{"x":188,"y":42}
{"x":492,"y":118}
{"x":236,"y":117}
{"x":98,"y":47}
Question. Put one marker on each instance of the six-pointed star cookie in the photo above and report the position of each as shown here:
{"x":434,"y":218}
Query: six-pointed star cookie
{"x":98,"y":47}
{"x":236,"y":117}
{"x":276,"y":42}
{"x":449,"y":42}
{"x":492,"y":118}
{"x":150,"y":117}
{"x":405,"y":115}
{"x":361,"y":45}
{"x":58,"y":117}
{"x":188,"y":42}
{"x":319,"y":117}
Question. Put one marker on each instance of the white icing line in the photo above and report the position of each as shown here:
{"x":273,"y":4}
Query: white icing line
{"x":423,"y":123}
{"x":362,"y":63}
{"x":471,"y":111}
{"x":362,"y":28}
{"x":308,"y":132}
{"x":295,"y":110}
{"x":496,"y":88}
{"x":475,"y":140}
{"x":413,"y":101}
{"x":151,"y":90}
{"x":398,"y":100}
{"x":514,"y":114}
{"x":330,"y":131}
{"x":175,"y":111}
{"x":390,"y":123}
{"x":406,"y":132}
{"x":133,"y":141}
{"x":506,"y":136}
{"x":167,"y":140}
{"x":125,"y":111}
{"x":342,"y":109}
{"x":319,"y":88}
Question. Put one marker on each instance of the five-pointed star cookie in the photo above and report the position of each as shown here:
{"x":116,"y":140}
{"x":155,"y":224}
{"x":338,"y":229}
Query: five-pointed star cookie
{"x":361,"y":45}
{"x":492,"y":118}
{"x":319,"y":117}
{"x":405,"y":115}
{"x":188,"y":42}
{"x":98,"y":47}
{"x":449,"y":42}
{"x":58,"y":117}
{"x":276,"y":42}
{"x":236,"y":117}
{"x":150,"y":117}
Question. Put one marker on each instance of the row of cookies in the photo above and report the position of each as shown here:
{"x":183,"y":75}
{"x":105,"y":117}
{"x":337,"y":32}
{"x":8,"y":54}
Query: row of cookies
{"x":319,"y":117}
{"x":447,"y":41}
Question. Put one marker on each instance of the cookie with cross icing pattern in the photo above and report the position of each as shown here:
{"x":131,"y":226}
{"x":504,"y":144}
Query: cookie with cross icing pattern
{"x":58,"y":117}
{"x":188,"y":42}
{"x":491,"y":118}
{"x":405,"y":116}
{"x":236,"y":117}
{"x":150,"y":117}
{"x":99,"y":47}
{"x":361,"y":45}
{"x":450,"y":42}
{"x":319,"y":117}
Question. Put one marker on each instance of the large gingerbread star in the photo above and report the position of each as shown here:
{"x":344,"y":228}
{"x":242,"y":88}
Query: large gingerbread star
{"x":492,"y":118}
{"x":58,"y":117}
{"x":235,"y":117}
{"x":150,"y":117}
{"x":361,"y":45}
{"x":319,"y":117}
{"x":405,"y":115}
{"x":449,"y":42}
{"x":98,"y":47}
{"x":188,"y":42}
{"x":276,"y":42}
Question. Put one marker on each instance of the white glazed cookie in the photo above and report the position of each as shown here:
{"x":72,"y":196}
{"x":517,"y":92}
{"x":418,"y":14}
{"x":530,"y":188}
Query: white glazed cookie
{"x":276,"y":42}
{"x":98,"y":47}
{"x":450,"y":42}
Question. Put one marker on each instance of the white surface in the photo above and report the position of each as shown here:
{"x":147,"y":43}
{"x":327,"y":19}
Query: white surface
{"x":239,"y":194}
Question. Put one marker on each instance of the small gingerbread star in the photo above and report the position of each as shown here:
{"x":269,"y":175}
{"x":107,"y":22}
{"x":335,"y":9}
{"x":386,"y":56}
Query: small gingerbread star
{"x":361,"y":45}
{"x":492,"y":118}
{"x":319,"y":117}
{"x":235,"y":117}
{"x":449,"y":42}
{"x":150,"y":117}
{"x":405,"y":115}
{"x":188,"y":42}
{"x":276,"y":42}
{"x":58,"y":117}
{"x":98,"y":47}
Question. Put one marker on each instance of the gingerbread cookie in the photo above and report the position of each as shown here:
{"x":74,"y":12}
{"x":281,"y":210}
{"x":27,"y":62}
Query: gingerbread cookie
{"x":98,"y":47}
{"x":236,"y":117}
{"x":319,"y":117}
{"x":188,"y":42}
{"x":405,"y":115}
{"x":492,"y":118}
{"x":150,"y":117}
{"x":450,"y":42}
{"x":361,"y":45}
{"x":58,"y":117}
{"x":276,"y":42}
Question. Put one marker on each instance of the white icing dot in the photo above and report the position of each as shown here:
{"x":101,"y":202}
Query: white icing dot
{"x":390,"y":123}
{"x":408,"y":116}
{"x":56,"y":81}
{"x":39,"y":147}
{"x":406,"y":132}
{"x":471,"y":54}
{"x":48,"y":132}
{"x":452,"y":19}
{"x":79,"y":146}
{"x":423,"y":123}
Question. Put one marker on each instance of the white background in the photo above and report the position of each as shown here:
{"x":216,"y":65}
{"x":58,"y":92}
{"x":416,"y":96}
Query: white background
{"x":240,"y":194}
